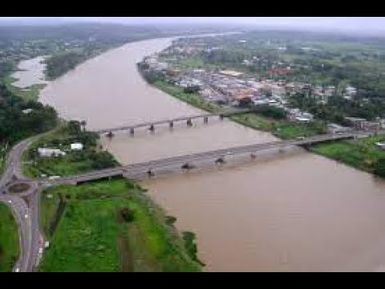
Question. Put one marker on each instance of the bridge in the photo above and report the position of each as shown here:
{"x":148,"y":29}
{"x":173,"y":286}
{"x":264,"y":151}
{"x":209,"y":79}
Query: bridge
{"x":170,"y":122}
{"x":140,"y":170}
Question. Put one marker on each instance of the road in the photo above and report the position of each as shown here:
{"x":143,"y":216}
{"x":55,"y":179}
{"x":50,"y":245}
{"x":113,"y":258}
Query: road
{"x":138,"y":170}
{"x":25,"y":209}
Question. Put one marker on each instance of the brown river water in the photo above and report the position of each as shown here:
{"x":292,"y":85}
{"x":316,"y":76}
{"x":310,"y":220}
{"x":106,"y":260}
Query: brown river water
{"x":287,"y":211}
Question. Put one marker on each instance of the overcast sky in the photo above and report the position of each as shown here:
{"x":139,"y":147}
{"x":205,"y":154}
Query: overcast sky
{"x":351,"y":24}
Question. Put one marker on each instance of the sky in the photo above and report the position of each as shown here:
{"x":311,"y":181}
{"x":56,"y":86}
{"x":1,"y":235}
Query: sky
{"x":369,"y":25}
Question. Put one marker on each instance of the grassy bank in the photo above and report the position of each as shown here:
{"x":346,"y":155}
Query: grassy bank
{"x":361,"y":153}
{"x":191,"y":98}
{"x":9,"y":240}
{"x":91,"y":233}
{"x":29,"y":93}
{"x":74,"y":162}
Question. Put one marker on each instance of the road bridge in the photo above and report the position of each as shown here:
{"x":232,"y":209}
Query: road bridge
{"x":138,"y":170}
{"x":170,"y":122}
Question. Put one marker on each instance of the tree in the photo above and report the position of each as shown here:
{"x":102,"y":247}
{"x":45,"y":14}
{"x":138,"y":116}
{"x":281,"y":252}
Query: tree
{"x":379,"y":167}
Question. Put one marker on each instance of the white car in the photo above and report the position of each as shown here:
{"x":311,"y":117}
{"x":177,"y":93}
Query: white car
{"x":26,"y":216}
{"x":9,"y":201}
{"x":40,"y":250}
{"x":17,"y":270}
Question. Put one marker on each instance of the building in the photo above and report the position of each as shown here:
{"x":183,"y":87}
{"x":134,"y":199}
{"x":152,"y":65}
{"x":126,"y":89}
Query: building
{"x":47,"y":152}
{"x":27,"y":111}
{"x":230,"y":73}
{"x":356,"y":122}
{"x":76,"y":146}
{"x":335,"y":128}
{"x":381,"y":145}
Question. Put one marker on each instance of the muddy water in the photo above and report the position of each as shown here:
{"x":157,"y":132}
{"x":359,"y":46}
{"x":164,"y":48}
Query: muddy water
{"x":286,"y":212}
{"x":30,"y":72}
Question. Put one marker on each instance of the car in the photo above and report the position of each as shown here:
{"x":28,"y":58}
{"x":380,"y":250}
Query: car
{"x":26,"y":216}
{"x":40,"y":250}
{"x":10,"y":201}
{"x":17,"y":270}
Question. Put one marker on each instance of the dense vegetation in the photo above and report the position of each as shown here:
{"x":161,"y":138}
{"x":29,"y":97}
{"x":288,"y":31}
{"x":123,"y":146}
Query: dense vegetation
{"x":15,"y":124}
{"x":91,"y":157}
{"x":9,"y":241}
{"x":110,"y":226}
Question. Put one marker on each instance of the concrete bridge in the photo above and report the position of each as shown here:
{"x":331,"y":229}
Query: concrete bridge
{"x":186,"y":162}
{"x":171,"y":122}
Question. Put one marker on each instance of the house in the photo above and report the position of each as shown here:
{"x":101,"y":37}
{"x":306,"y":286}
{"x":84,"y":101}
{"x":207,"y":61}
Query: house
{"x":76,"y":146}
{"x":27,"y":111}
{"x":47,"y":152}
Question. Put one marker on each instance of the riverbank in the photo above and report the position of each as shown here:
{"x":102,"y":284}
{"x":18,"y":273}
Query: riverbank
{"x":361,"y":154}
{"x":113,"y":226}
{"x":90,"y":157}
{"x":9,"y":240}
{"x":280,"y":128}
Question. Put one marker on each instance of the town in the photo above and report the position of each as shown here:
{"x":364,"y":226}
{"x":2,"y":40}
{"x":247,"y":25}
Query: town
{"x":230,"y":88}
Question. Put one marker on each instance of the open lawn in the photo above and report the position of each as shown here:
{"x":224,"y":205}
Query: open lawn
{"x":92,"y":234}
{"x":9,"y":240}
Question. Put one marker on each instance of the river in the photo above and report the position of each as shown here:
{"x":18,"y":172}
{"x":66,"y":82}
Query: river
{"x":30,"y":72}
{"x":291,"y":211}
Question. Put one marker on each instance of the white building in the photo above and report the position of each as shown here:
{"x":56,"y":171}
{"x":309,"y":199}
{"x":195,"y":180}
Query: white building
{"x":76,"y":146}
{"x":27,"y":111}
{"x":47,"y":152}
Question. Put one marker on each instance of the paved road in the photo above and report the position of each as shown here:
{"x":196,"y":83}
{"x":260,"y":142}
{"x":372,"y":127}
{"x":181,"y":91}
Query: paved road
{"x":25,"y":212}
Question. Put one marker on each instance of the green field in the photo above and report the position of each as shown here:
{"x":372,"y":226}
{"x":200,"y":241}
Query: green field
{"x":9,"y":240}
{"x":361,"y":154}
{"x":31,"y":93}
{"x":71,"y":164}
{"x":91,"y":235}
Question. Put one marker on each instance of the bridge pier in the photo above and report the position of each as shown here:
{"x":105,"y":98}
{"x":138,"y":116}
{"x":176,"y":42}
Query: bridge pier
{"x":189,"y":122}
{"x":221,"y":116}
{"x":205,"y":119}
{"x":110,"y":134}
{"x":152,"y":128}
{"x":171,"y":124}
{"x":132,"y":131}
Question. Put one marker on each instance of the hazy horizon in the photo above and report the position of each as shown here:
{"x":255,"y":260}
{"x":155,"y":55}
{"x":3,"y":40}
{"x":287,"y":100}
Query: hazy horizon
{"x":360,"y":25}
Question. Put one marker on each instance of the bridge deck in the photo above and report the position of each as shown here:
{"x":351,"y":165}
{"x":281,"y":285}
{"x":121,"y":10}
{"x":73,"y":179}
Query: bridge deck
{"x":167,"y":121}
{"x":176,"y":162}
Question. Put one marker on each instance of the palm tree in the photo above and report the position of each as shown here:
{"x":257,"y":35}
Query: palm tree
{"x":83,"y":123}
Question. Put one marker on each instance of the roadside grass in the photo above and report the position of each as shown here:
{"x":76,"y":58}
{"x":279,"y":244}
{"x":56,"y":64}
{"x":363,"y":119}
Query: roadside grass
{"x":9,"y":240}
{"x":3,"y":157}
{"x":29,"y":93}
{"x":361,"y":153}
{"x":92,"y":236}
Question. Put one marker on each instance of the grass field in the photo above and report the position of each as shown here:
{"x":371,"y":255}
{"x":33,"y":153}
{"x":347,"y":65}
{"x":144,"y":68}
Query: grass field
{"x":9,"y":240}
{"x":361,"y":154}
{"x":91,"y":234}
